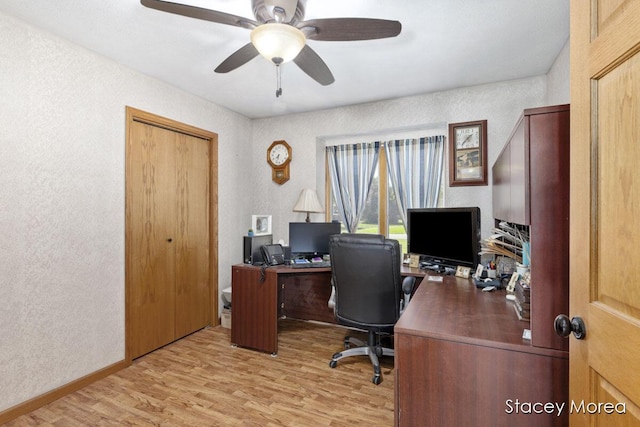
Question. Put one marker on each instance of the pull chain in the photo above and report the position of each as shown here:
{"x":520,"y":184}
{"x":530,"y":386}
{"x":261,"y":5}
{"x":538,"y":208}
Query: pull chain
{"x":278,"y":81}
{"x":278,"y":62}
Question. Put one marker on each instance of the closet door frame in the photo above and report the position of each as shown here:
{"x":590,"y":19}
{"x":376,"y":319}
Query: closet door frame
{"x":134,"y":115}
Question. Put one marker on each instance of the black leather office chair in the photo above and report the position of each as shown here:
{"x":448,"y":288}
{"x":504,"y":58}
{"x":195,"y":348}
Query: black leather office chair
{"x":369,"y":292}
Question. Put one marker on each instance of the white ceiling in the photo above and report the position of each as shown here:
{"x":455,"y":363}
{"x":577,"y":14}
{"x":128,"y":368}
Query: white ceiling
{"x":444,"y":44}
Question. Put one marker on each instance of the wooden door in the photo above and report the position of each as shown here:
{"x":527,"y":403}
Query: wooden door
{"x":151,"y":259}
{"x":605,"y":211}
{"x":192,"y":236}
{"x":171,"y":260}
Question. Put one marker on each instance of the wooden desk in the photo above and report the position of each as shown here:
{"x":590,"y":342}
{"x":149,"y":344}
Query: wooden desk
{"x":460,"y":360}
{"x":261,"y":296}
{"x":260,"y":299}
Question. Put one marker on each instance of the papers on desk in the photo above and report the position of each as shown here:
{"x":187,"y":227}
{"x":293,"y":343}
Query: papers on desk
{"x":434,"y":278}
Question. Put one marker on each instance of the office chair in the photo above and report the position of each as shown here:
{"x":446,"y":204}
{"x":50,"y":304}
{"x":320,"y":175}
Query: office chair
{"x":365,"y":272}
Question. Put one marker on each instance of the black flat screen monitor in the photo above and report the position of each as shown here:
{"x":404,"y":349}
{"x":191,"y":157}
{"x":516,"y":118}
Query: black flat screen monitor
{"x":311,"y":238}
{"x":448,"y":237}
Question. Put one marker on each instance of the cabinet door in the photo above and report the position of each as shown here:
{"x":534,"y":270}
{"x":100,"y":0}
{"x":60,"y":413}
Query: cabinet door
{"x":453,"y":383}
{"x":510,"y":192}
{"x":501,"y":185}
{"x":549,"y":165}
{"x":519,"y":174}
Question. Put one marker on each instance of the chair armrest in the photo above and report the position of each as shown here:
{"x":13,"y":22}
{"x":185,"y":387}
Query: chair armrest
{"x":407,"y":285}
{"x":407,"y":289}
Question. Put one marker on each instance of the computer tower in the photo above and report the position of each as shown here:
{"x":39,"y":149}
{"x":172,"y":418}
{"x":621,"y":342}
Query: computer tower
{"x":251,"y":248}
{"x":287,"y":254}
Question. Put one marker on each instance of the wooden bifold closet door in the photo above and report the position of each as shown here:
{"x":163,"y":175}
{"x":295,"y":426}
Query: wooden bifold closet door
{"x":168,"y":238}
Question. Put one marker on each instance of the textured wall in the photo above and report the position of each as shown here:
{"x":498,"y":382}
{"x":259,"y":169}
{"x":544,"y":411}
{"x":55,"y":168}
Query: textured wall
{"x":62,"y":136}
{"x":558,"y":79}
{"x":500,"y":104}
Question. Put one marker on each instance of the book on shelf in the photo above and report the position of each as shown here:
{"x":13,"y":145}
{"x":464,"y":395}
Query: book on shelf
{"x":523,"y":314}
{"x":522,"y":291}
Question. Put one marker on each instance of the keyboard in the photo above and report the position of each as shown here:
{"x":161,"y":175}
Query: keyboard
{"x":321,"y":264}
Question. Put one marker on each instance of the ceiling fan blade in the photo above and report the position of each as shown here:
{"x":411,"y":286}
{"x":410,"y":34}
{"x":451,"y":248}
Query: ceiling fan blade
{"x":200,"y":13}
{"x":240,"y":57}
{"x":346,"y":29}
{"x":311,"y":63}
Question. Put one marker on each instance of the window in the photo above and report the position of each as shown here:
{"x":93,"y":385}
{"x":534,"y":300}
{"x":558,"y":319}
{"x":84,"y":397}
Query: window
{"x":416,"y":167}
{"x":370,"y":217}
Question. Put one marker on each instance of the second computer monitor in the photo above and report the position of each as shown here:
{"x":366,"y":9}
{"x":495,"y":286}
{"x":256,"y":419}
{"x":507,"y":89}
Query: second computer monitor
{"x":311,"y":238}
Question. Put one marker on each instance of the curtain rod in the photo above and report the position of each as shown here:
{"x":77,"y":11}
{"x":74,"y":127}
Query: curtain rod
{"x":377,"y":132}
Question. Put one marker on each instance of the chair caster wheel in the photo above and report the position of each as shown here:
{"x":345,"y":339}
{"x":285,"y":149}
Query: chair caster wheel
{"x":333,"y":363}
{"x":379,"y":351}
{"x":377,"y":379}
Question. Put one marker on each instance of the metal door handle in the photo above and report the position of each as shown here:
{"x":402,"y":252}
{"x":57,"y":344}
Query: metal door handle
{"x":564,"y":326}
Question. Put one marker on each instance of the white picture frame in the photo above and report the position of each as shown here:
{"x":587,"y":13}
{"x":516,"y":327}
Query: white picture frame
{"x":479,"y":270}
{"x":261,"y":224}
{"x":463,"y":272}
{"x":512,"y":282}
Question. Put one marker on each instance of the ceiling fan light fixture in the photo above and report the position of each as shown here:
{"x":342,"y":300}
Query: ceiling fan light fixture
{"x":274,"y":40}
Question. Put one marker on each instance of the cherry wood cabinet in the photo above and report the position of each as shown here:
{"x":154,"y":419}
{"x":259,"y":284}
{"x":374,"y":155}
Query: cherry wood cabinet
{"x":260,"y":296}
{"x":460,"y":360}
{"x":531,"y":187}
{"x":254,"y":308}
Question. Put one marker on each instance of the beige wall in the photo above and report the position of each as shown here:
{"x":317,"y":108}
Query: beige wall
{"x":62,"y":135}
{"x":558,"y":79}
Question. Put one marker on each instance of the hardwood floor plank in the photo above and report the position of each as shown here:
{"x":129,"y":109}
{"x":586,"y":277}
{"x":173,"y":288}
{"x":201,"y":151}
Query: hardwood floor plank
{"x":202,"y":380}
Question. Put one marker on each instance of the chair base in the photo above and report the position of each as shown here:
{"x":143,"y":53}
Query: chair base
{"x":371,"y":348}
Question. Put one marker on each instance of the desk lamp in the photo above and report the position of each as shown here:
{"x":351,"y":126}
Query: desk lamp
{"x":308,"y":202}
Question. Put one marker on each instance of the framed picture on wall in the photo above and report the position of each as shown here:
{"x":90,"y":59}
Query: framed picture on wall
{"x":261,"y":224}
{"x":468,"y":153}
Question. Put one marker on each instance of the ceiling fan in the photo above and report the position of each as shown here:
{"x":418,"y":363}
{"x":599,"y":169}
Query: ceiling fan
{"x":279,"y":33}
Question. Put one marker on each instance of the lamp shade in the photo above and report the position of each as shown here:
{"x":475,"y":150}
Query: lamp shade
{"x":308,"y":202}
{"x":274,"y":40}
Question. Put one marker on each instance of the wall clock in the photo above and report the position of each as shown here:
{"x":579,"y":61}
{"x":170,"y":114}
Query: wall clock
{"x":279,"y":157}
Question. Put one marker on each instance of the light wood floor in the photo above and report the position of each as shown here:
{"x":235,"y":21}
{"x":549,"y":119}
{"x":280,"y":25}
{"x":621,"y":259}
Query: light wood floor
{"x":202,"y":381}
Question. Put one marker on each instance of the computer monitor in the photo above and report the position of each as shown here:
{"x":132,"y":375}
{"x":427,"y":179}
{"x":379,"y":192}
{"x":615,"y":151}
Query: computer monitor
{"x":447,"y":237}
{"x":311,"y":238}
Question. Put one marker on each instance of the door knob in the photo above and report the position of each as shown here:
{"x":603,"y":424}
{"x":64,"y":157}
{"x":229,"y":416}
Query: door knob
{"x":564,"y":326}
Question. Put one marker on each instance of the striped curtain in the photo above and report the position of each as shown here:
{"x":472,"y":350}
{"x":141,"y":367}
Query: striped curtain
{"x":415,"y":169}
{"x":352,"y":168}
